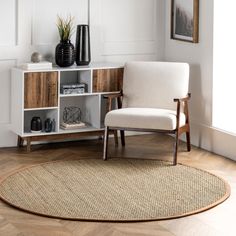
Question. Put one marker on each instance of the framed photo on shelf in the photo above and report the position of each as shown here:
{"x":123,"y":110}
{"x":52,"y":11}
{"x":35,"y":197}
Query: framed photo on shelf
{"x":185,"y":20}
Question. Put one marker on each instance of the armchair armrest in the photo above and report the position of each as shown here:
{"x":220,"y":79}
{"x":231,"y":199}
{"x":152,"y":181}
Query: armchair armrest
{"x":184,"y":102}
{"x":183,"y":99}
{"x":112,"y":96}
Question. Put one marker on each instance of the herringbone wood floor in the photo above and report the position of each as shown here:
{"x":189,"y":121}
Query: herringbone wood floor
{"x":215,"y":222}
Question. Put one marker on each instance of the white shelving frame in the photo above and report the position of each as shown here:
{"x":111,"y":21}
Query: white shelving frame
{"x":18,"y":111}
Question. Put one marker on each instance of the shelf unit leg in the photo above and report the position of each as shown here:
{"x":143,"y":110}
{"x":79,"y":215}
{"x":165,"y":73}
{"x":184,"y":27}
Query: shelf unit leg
{"x":20,"y":141}
{"x":28,"y":147}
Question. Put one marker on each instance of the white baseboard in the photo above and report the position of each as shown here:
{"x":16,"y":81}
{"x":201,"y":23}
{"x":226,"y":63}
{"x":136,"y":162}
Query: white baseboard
{"x":214,"y":140}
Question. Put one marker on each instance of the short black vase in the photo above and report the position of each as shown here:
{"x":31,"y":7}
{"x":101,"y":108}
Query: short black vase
{"x":65,"y":54}
{"x":83,"y":54}
{"x":36,"y":124}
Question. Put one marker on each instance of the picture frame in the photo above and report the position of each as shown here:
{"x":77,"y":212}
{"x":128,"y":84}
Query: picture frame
{"x":185,"y":20}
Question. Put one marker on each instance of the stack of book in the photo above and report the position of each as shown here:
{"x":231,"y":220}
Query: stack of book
{"x":43,"y":65}
{"x":72,"y":126}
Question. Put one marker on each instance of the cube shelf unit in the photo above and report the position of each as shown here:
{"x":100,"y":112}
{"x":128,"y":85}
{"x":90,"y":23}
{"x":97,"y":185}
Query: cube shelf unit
{"x":37,"y":93}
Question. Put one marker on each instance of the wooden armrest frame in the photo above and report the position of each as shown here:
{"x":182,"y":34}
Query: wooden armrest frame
{"x":112,"y":96}
{"x":183,"y":99}
{"x":184,"y":102}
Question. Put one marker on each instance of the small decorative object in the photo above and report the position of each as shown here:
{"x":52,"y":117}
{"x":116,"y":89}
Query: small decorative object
{"x":72,"y":118}
{"x":48,"y":125}
{"x":53,"y":125}
{"x":36,"y":57}
{"x":65,"y":51}
{"x":36,"y":124}
{"x":83,"y":54}
{"x":185,"y":20}
{"x":72,"y":115}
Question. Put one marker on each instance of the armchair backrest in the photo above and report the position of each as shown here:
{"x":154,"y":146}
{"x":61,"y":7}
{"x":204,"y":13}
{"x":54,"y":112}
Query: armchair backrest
{"x":154,"y":84}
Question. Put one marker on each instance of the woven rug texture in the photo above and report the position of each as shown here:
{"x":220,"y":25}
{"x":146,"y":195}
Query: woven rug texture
{"x":114,"y":190}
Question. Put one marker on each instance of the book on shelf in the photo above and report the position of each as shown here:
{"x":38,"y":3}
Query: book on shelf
{"x":72,"y":126}
{"x":43,"y":65}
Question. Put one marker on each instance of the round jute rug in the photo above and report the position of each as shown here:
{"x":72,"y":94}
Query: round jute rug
{"x":115,"y":190}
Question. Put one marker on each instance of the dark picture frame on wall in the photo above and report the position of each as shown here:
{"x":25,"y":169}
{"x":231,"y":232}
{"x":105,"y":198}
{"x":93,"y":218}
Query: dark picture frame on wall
{"x":185,"y":20}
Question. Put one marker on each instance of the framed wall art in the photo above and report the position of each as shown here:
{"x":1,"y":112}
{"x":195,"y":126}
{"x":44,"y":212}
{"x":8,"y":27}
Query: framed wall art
{"x":185,"y":20}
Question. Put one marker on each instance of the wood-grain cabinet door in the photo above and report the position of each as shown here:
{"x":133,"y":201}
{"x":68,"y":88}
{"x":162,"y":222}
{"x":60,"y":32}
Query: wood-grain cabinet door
{"x":107,"y":80}
{"x":40,"y":89}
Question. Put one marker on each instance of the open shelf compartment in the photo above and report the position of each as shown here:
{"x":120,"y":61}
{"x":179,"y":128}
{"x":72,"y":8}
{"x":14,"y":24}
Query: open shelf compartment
{"x":90,"y":111}
{"x":43,"y":114}
{"x":77,"y":77}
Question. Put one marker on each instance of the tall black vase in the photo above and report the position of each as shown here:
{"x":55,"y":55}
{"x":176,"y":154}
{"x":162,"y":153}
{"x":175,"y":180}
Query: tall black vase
{"x":65,"y":54}
{"x":83,"y":54}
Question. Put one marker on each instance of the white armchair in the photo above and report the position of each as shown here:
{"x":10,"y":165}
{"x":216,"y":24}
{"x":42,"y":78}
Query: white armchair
{"x":154,"y":99}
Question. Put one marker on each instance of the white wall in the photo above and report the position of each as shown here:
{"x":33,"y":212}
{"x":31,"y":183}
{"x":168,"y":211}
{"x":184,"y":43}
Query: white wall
{"x":127,"y":29}
{"x":200,"y":57}
{"x":120,"y":31}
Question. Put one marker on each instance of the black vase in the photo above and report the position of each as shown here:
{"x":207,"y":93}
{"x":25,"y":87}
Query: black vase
{"x":83,"y":54}
{"x":65,"y":54}
{"x":48,"y":125}
{"x":36,"y":124}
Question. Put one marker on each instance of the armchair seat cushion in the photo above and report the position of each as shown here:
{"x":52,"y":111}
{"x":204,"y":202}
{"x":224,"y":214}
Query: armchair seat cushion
{"x":143,"y":118}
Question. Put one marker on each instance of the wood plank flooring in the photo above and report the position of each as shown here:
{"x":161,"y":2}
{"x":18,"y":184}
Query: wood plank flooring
{"x":215,"y":222}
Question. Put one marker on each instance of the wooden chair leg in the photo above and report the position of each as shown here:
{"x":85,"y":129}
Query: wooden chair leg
{"x":105,"y":147}
{"x":122,"y":136}
{"x":188,"y":141}
{"x":116,"y":138}
{"x":176,"y":148}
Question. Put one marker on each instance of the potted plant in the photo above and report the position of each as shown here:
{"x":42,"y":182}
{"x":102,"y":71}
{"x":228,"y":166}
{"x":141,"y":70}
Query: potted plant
{"x":65,"y":51}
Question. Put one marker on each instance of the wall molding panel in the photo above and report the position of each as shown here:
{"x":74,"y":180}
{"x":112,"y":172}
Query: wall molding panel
{"x":128,"y":20}
{"x":44,"y":30}
{"x":5,"y":90}
{"x":128,"y":27}
{"x":119,"y":30}
{"x":8,"y":23}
